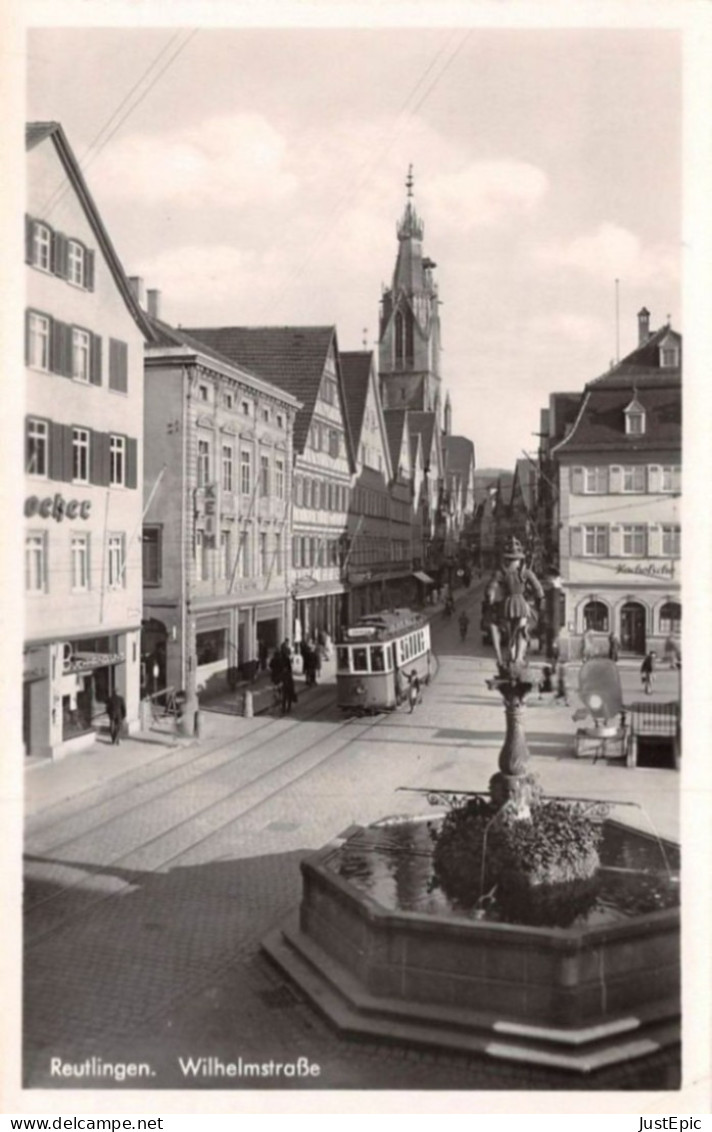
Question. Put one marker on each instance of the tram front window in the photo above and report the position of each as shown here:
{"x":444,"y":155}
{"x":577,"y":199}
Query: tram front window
{"x":359,"y":658}
{"x":342,"y":659}
{"x":377,"y":664}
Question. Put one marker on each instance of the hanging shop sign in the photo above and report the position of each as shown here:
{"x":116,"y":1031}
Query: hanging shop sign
{"x":88,"y":661}
{"x":56,"y":508}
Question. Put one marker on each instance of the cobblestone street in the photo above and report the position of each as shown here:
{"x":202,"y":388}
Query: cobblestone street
{"x":153,"y":871}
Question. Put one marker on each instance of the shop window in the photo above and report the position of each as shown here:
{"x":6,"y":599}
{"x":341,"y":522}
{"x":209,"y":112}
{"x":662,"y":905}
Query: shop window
{"x":211,"y":646}
{"x":595,"y":616}
{"x":671,"y":617}
{"x":151,"y":546}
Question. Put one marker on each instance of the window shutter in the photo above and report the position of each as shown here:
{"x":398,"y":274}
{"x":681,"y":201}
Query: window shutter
{"x":616,"y":540}
{"x":615,"y":479}
{"x":576,"y":480}
{"x":606,"y":480}
{"x":88,"y":269}
{"x":131,"y":462}
{"x":654,"y":478}
{"x":29,"y":238}
{"x":95,"y":360}
{"x":655,"y":540}
{"x":677,"y":479}
{"x":118,"y":365}
{"x":576,"y":541}
{"x":56,"y":451}
{"x":67,"y":453}
{"x":27,"y":337}
{"x":59,"y":255}
{"x":60,"y":348}
{"x":98,"y":458}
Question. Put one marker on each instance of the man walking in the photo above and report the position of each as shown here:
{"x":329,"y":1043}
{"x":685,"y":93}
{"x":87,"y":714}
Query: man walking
{"x":116,"y":711}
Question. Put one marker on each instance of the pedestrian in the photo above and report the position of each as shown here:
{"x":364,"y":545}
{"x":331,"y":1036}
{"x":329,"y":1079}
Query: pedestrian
{"x":116,"y":711}
{"x":286,"y":651}
{"x":289,"y":695}
{"x":309,"y":659}
{"x":546,"y":683}
{"x":587,"y":646}
{"x":562,"y":691}
{"x":464,"y":625}
{"x":647,"y":672}
{"x":614,"y":646}
{"x":413,"y":689}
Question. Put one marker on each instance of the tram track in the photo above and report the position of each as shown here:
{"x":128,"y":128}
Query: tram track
{"x":125,"y":861}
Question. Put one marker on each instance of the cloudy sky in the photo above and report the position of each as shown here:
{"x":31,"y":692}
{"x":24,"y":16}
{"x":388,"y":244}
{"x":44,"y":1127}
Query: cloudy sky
{"x":256,"y":177}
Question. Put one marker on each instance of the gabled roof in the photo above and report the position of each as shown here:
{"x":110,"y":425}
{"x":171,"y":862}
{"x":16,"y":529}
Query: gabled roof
{"x":425,"y":425}
{"x":170,"y":336}
{"x":37,"y":132}
{"x":291,"y":357}
{"x":600,"y":423}
{"x":356,"y":372}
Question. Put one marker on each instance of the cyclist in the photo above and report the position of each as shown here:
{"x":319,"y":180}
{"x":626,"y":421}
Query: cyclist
{"x":413,"y":689}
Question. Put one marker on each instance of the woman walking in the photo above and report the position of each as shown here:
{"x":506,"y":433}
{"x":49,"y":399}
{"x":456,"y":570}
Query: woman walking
{"x":647,"y":673}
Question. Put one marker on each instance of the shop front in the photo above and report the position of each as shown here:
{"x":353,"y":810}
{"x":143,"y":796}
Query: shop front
{"x":319,"y":607}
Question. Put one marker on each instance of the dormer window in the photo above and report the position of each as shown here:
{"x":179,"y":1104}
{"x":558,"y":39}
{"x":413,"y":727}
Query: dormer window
{"x":669,"y":352}
{"x":634,"y":418}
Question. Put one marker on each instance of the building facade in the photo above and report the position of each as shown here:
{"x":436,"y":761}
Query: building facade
{"x":83,"y":460}
{"x":304,"y":361}
{"x":216,"y":534}
{"x":619,"y":479}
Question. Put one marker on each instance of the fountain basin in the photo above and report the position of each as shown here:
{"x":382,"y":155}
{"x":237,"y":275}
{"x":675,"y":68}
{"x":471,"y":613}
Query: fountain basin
{"x":577,"y":998}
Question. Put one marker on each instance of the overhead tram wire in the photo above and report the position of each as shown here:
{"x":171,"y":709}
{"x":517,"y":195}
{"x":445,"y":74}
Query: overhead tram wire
{"x":90,"y":157}
{"x":402,"y":117}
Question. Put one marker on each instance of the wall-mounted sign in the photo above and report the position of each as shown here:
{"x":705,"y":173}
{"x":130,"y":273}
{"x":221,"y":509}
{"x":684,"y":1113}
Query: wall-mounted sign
{"x":56,"y":508}
{"x":88,"y":661}
{"x":648,"y":569}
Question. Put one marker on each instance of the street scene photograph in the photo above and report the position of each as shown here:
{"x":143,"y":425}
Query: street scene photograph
{"x":353,"y":658}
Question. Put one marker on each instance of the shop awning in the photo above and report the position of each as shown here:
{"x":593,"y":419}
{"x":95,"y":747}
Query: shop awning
{"x":423,"y":577}
{"x":317,"y":589}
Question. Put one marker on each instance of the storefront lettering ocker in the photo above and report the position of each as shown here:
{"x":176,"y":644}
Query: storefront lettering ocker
{"x":56,"y":508}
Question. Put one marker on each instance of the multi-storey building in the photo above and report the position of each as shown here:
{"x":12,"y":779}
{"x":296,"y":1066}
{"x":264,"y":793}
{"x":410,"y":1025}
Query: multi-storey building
{"x":83,"y":459}
{"x":619,"y":479}
{"x":379,"y":562}
{"x":304,"y":361}
{"x":216,"y":533}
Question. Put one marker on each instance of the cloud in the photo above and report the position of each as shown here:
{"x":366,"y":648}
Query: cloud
{"x":227,"y":160}
{"x":612,"y":252}
{"x":487,"y":192}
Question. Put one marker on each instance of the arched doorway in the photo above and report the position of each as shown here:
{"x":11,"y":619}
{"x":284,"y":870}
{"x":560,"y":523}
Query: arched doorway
{"x":153,"y":656}
{"x":633,"y":627}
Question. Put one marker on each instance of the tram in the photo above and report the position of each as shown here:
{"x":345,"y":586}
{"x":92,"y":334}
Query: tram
{"x":375,"y":657}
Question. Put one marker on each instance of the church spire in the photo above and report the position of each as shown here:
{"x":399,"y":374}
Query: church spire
{"x":410,"y":227}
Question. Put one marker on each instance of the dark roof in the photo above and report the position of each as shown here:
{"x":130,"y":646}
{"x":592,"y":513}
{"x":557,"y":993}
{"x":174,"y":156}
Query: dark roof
{"x":395,"y":423}
{"x":291,"y":357}
{"x":600,"y":424}
{"x":36,"y":132}
{"x":424,"y":424}
{"x":171,"y":336}
{"x":356,"y":372}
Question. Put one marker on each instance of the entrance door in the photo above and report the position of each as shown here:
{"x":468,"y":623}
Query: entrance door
{"x":633,"y":628}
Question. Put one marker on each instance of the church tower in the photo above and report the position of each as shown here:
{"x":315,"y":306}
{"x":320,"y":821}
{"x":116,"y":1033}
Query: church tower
{"x":409,"y":338}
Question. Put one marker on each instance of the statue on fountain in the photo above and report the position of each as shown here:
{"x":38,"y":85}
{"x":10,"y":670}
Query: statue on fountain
{"x":510,"y":611}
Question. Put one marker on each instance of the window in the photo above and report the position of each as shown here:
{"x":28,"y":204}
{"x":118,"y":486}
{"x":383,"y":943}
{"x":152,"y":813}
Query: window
{"x":245,"y":555}
{"x":201,"y":556}
{"x":635,"y":540}
{"x":280,"y":420}
{"x":118,"y":366}
{"x":669,"y":357}
{"x":80,"y":562}
{"x":229,"y":400}
{"x":245,"y":408}
{"x":117,"y":461}
{"x":377,"y":661}
{"x":278,"y":554}
{"x":634,"y":423}
{"x":264,"y":475}
{"x":116,"y":572}
{"x":203,"y":469}
{"x":307,"y":492}
{"x":279,"y":478}
{"x":334,"y":442}
{"x":359,"y":660}
{"x":296,"y":552}
{"x":328,"y":391}
{"x":38,"y":345}
{"x":151,"y":547}
{"x":595,"y":541}
{"x":265,"y":415}
{"x":227,"y":468}
{"x":596,"y":481}
{"x":202,"y":393}
{"x":36,"y":457}
{"x":245,"y":473}
{"x":670,"y":478}
{"x":35,"y":563}
{"x":210,"y":646}
{"x":595,"y":616}
{"x":264,"y":564}
{"x":671,"y":540}
{"x":41,"y":245}
{"x":81,"y":346}
{"x":75,"y":263}
{"x":671,"y":617}
{"x":224,"y":561}
{"x":80,"y":455}
{"x":634,"y":478}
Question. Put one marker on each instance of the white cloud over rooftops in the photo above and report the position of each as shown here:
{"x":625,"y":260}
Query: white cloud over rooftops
{"x":613,"y":252}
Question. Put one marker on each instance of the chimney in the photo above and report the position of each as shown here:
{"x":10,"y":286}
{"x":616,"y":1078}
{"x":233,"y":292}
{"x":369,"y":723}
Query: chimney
{"x":137,"y":289}
{"x":643,"y":326}
{"x":153,"y":302}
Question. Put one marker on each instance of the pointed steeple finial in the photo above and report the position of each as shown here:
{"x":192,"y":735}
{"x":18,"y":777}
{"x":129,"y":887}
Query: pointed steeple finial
{"x":409,"y":181}
{"x":410,"y":226}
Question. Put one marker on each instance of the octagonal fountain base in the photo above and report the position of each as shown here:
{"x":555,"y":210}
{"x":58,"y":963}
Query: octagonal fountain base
{"x":388,"y":961}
